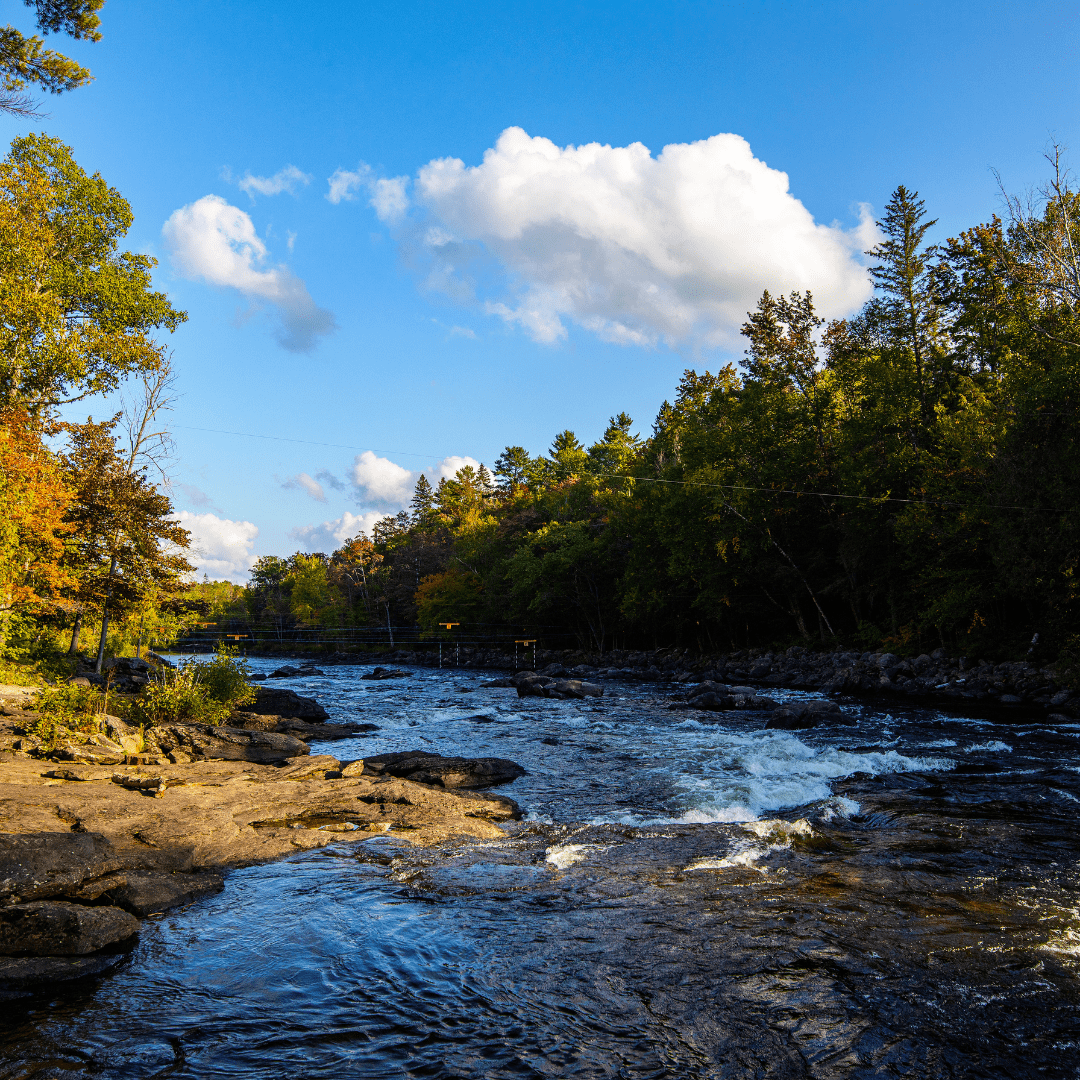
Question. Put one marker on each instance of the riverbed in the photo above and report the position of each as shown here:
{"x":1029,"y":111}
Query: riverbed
{"x":895,"y":893}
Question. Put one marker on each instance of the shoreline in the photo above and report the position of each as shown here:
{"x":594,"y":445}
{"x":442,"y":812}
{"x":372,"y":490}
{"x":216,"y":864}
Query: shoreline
{"x":1006,"y":688}
{"x":92,"y":841}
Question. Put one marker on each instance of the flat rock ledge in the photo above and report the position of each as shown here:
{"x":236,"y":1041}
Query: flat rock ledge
{"x":86,"y":850}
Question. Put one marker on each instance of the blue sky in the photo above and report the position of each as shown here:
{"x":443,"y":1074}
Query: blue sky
{"x":450,"y":303}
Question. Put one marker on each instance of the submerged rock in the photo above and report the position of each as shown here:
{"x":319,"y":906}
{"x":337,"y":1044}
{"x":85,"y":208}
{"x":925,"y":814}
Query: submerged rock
{"x":24,"y":973}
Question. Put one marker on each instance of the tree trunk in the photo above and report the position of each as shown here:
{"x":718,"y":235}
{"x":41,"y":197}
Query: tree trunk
{"x":75,"y":631}
{"x":105,"y":617}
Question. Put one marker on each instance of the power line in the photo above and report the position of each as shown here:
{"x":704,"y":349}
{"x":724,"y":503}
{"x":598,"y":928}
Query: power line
{"x":306,"y":442}
{"x":683,"y":483}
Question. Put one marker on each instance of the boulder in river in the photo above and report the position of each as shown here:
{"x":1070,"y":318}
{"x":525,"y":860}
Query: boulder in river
{"x":803,"y":715}
{"x":426,"y":768}
{"x":275,"y":701}
{"x":287,"y":671}
{"x":543,"y":686}
{"x":386,"y":673}
{"x":58,"y":928}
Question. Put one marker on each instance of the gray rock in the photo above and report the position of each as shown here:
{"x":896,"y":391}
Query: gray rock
{"x":386,"y":673}
{"x":145,"y":894}
{"x":277,"y":701}
{"x":37,"y":865}
{"x":803,"y":715}
{"x":425,"y":768}
{"x":27,"y":972}
{"x":56,"y":928}
{"x":200,"y":741}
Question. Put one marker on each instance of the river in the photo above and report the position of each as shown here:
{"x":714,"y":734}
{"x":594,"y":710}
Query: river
{"x":689,"y":896}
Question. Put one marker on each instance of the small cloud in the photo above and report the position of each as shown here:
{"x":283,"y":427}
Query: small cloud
{"x":287,"y":179}
{"x":343,"y":183}
{"x":463,"y":331}
{"x":388,"y":196}
{"x":325,"y":476}
{"x":381,"y":481}
{"x":220,"y":548}
{"x":330,"y":535}
{"x":303,"y":482}
{"x":449,"y":466}
{"x":290,"y":241}
{"x":211,"y":240}
{"x":196,"y":496}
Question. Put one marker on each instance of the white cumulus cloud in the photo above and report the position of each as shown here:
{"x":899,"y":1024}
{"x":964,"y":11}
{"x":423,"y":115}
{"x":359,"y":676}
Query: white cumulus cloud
{"x":219,"y":547}
{"x":449,"y":466}
{"x":287,"y":179}
{"x":330,"y":535}
{"x":383,"y":483}
{"x":634,"y":248}
{"x":211,"y":240}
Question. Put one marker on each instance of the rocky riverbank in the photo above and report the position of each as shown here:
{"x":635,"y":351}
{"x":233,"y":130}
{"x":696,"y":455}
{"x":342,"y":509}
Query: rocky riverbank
{"x":954,"y":682}
{"x":96,"y":835}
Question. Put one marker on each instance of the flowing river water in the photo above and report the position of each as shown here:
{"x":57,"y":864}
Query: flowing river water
{"x":688,"y":896}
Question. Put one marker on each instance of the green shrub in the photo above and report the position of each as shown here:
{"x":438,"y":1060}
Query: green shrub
{"x":201,"y":692}
{"x":226,"y":678}
{"x":66,"y":709}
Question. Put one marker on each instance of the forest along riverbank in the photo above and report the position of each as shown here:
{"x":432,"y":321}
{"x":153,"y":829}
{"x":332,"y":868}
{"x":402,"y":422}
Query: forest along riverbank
{"x":892,"y":892}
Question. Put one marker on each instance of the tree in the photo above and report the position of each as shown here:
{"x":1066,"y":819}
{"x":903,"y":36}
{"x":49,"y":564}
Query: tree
{"x":423,"y":500}
{"x":512,"y":468}
{"x":78,"y":314}
{"x":903,"y":276}
{"x":125,"y":541}
{"x":614,"y":453}
{"x":33,"y":499}
{"x":568,"y":457}
{"x":25,"y":60}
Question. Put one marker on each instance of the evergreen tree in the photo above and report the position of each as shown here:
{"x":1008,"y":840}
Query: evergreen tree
{"x":903,"y":276}
{"x":423,"y":500}
{"x":512,"y":468}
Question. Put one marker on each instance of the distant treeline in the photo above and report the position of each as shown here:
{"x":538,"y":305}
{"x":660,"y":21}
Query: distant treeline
{"x":908,"y":477}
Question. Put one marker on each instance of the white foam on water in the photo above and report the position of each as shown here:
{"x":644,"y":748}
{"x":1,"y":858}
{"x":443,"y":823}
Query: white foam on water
{"x":937,"y":744}
{"x":563,"y":855}
{"x":994,"y":746}
{"x":839,"y":806}
{"x":722,"y":776}
{"x":779,"y":827}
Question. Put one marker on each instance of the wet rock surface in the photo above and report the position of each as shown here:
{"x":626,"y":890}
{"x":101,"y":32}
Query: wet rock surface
{"x":278,"y":701}
{"x":428,"y":768}
{"x":385,"y":673}
{"x":57,"y":928}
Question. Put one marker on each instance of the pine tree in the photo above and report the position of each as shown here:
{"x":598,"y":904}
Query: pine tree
{"x":423,"y":500}
{"x":903,"y":277}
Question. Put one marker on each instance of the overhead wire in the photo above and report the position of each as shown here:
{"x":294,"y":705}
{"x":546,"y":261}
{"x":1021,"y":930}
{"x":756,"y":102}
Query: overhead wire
{"x":684,"y":483}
